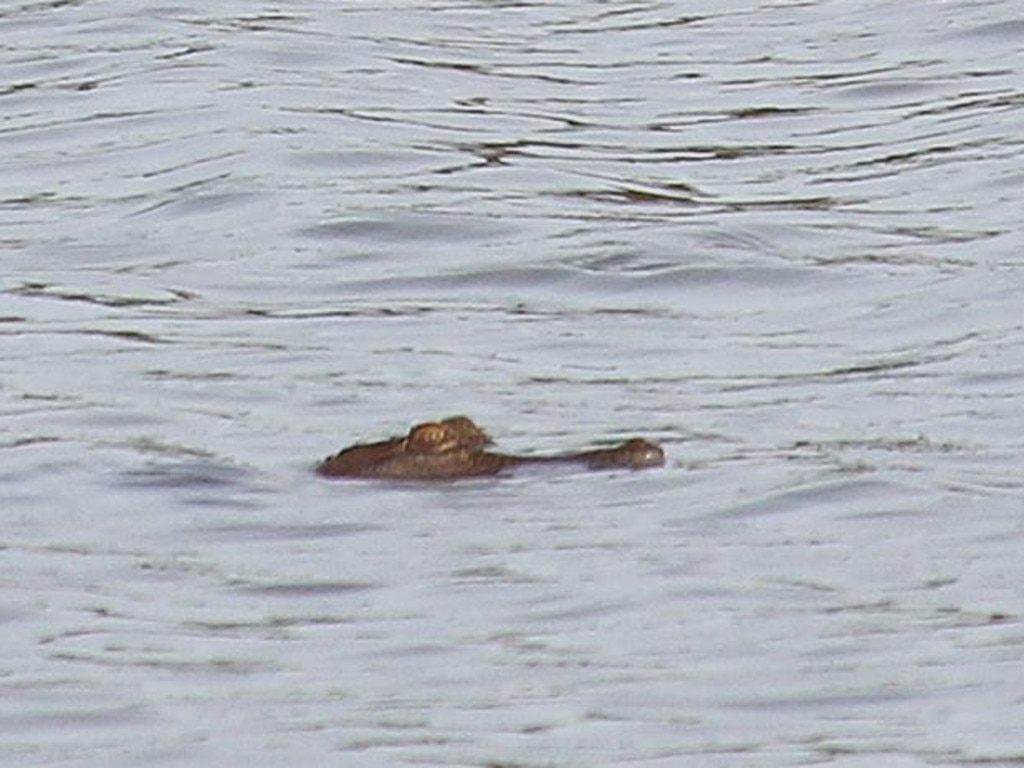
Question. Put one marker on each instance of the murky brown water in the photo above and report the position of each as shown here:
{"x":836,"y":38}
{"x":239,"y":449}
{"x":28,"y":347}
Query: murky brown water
{"x":781,"y":238}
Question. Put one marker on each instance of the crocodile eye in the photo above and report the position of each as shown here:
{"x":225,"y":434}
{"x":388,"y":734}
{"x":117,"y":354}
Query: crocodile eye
{"x":466,"y":432}
{"x":429,"y":437}
{"x":648,"y":454}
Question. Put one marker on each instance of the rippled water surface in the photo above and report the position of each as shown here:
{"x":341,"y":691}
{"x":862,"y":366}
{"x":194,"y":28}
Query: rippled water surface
{"x":781,"y":238}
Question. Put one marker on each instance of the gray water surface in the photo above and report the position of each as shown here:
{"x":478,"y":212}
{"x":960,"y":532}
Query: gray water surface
{"x":781,"y":238}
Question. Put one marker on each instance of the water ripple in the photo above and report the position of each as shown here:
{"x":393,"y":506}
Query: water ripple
{"x":781,"y":238}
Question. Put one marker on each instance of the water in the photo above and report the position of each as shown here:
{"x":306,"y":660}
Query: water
{"x":781,"y":238}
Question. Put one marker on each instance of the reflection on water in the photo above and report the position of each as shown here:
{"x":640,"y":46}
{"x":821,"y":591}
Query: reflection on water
{"x":781,"y":238}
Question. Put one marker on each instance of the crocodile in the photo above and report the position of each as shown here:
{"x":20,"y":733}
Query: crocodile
{"x":456,"y":447}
